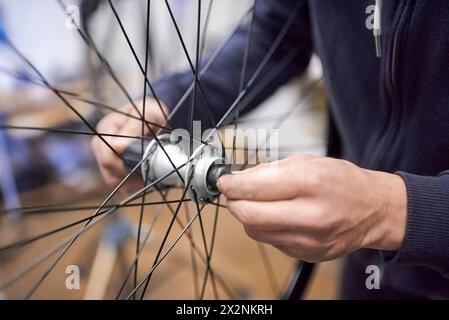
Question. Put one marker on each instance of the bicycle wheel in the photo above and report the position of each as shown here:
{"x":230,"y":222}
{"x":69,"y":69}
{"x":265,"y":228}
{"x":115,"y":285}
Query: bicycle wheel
{"x":170,"y":239}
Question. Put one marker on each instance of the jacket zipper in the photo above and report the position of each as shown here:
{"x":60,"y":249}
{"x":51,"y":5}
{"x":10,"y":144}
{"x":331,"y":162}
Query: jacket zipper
{"x":391,"y":79}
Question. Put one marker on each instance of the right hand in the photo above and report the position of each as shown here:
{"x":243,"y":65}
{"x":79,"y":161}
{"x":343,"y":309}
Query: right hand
{"x":112,"y":167}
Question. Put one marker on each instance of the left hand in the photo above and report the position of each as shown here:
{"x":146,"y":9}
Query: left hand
{"x":317,"y":208}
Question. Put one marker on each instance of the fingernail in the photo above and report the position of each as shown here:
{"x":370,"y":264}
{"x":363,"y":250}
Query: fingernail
{"x":219,"y":184}
{"x":220,"y":181}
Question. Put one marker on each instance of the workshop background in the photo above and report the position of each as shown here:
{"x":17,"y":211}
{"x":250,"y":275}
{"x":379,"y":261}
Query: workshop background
{"x":48,"y":168}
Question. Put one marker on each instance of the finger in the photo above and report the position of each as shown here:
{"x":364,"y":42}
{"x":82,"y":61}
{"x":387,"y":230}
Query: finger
{"x":287,"y":215}
{"x":110,"y":180}
{"x":289,"y":239}
{"x":111,"y":124}
{"x":131,"y":129}
{"x":265,"y":183}
{"x":108,"y":159}
{"x":119,"y":124}
{"x":106,"y":152}
{"x":280,"y":180}
{"x":110,"y":166}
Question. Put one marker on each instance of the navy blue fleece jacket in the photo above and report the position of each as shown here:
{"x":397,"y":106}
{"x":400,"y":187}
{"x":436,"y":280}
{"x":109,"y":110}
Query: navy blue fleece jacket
{"x":392,"y":113}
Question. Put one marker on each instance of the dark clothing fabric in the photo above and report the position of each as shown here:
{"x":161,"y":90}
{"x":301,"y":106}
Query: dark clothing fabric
{"x":392,"y":113}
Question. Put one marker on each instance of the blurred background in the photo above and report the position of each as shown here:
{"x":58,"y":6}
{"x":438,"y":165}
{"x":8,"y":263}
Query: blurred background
{"x":43,"y":164}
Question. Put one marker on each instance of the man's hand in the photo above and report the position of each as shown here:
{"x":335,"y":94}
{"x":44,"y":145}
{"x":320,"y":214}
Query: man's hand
{"x":112,"y":167}
{"x":316,"y":208}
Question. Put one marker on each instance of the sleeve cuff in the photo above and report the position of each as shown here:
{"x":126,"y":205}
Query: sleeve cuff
{"x":426,"y":239}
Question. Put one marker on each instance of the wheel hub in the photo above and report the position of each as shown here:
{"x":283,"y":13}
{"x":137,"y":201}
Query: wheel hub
{"x":200,"y":171}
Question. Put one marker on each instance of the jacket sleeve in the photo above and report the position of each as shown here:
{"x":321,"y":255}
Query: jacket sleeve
{"x":221,"y":82}
{"x":426,"y":240}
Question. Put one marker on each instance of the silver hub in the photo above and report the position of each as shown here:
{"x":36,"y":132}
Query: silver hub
{"x":201,"y":170}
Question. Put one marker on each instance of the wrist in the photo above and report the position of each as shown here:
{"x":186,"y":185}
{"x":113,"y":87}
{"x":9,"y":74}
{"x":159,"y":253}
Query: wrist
{"x":390,"y":206}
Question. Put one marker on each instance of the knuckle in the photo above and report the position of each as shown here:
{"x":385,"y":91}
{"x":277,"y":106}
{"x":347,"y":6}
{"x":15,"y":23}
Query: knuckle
{"x":111,"y":181}
{"x":317,"y":217}
{"x":105,"y":162}
{"x":327,"y":247}
{"x":247,"y":216}
{"x":110,"y":161}
{"x":327,"y":251}
{"x":315,"y":178}
{"x":320,"y":222}
{"x":321,"y":216}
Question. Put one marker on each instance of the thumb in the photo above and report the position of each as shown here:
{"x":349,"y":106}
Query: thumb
{"x":262,"y":184}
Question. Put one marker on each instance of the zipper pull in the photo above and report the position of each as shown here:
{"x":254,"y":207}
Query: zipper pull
{"x":377,"y":30}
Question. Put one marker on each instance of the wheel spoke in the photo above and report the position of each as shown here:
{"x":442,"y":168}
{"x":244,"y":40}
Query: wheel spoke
{"x":285,"y":116}
{"x":193,"y":245}
{"x":90,"y":43}
{"x":260,"y":68}
{"x":196,"y":82}
{"x":206,"y":250}
{"x":134,"y":263}
{"x":206,"y":25}
{"x":201,"y":253}
{"x":131,"y":47}
{"x":85,"y":133}
{"x":145,"y":82}
{"x":67,"y":131}
{"x":243,"y":74}
{"x":60,"y":96}
{"x":19,"y":244}
{"x":165,"y":238}
{"x":161,"y":258}
{"x":195,"y":72}
{"x":78,"y":97}
{"x":225,"y":287}
{"x":82,"y":230}
{"x":212,"y":245}
{"x":18,"y":275}
{"x":59,"y":209}
{"x":192,"y":258}
{"x":269,"y":269}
